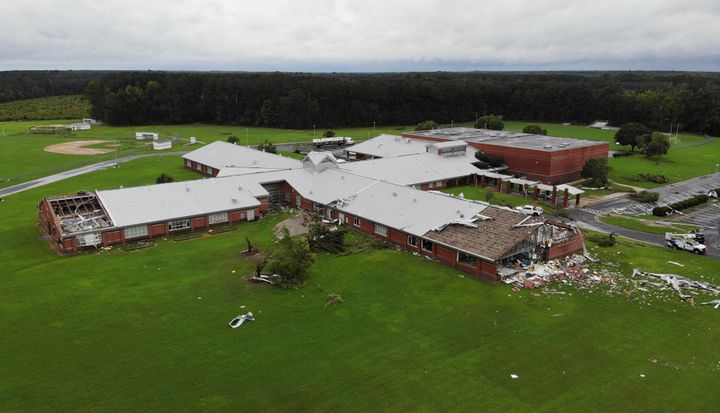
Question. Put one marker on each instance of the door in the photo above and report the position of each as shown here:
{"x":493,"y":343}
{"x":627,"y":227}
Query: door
{"x":251,"y":215}
{"x":341,"y":218}
{"x":298,"y":200}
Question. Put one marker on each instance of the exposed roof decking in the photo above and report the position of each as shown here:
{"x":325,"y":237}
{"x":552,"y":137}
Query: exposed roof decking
{"x":162,"y":202}
{"x":237,"y":159}
{"x":492,"y":238}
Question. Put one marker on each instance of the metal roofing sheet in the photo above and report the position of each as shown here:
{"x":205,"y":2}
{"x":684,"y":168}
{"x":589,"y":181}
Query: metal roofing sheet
{"x":386,"y":146}
{"x":240,"y":159}
{"x":162,"y":202}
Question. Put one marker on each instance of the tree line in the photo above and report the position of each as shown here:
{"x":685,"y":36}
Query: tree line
{"x":330,"y":100}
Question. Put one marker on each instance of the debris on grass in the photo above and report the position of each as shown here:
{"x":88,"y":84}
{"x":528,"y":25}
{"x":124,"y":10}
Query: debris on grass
{"x":513,"y":376}
{"x":676,"y":263}
{"x":333,"y":299}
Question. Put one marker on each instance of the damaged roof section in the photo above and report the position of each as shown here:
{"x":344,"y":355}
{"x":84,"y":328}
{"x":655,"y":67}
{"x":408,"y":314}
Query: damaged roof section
{"x":79,"y":213}
{"x":491,"y":238}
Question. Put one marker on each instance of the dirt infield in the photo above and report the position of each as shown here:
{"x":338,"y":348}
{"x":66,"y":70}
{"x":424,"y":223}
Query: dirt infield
{"x":76,"y":148}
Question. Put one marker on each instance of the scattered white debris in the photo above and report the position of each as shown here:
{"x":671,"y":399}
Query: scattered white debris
{"x":676,"y":263}
{"x":513,"y":376}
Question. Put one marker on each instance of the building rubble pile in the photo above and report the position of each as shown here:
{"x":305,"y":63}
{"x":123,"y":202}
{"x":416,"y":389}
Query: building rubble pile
{"x":585,"y":273}
{"x":569,"y":270}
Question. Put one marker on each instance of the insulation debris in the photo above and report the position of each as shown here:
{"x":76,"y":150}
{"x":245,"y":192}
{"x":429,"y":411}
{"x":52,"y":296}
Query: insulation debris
{"x":680,"y":284}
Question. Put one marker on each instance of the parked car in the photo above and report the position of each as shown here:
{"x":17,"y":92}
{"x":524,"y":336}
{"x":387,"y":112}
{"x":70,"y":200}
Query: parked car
{"x":530,"y":210}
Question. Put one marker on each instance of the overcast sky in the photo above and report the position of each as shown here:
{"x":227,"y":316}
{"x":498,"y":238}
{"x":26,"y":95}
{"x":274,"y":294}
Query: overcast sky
{"x":360,"y":35}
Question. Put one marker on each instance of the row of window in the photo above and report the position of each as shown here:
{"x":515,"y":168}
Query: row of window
{"x":198,"y":167}
{"x":142,"y":230}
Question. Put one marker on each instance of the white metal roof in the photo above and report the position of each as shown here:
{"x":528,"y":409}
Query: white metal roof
{"x":410,"y":210}
{"x":239,"y":159}
{"x":415,"y":169}
{"x":386,"y":146}
{"x":162,"y":202}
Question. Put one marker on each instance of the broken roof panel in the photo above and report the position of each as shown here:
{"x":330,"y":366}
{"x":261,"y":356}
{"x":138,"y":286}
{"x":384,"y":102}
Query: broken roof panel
{"x":491,"y":239}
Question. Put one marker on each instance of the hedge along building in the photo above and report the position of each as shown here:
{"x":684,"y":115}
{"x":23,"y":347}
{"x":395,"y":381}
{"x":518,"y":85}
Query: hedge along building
{"x":468,"y":235}
{"x":549,"y":159}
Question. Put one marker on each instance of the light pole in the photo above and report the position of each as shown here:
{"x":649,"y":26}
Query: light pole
{"x":452,"y":124}
{"x":314,"y":136}
{"x":247,"y":138}
{"x":374,"y":134}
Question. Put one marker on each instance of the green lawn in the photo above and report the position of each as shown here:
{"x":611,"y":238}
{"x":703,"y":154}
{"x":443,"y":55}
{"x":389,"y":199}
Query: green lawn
{"x":499,"y":198}
{"x":53,"y":107}
{"x":147,"y":330}
{"x":640,"y":225}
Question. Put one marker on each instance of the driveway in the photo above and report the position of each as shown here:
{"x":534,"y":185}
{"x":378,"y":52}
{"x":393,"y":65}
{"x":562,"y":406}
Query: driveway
{"x":78,"y":171}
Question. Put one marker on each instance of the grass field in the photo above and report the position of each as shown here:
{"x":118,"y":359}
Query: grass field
{"x":53,"y":107}
{"x":639,"y":225}
{"x":480,"y":194}
{"x":146,"y":330}
{"x":691,"y":156}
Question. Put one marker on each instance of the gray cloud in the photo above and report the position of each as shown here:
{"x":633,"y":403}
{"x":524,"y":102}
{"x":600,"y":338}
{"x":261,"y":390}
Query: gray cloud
{"x":369,"y":35}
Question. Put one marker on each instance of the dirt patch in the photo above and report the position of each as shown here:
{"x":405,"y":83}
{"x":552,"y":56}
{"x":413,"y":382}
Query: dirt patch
{"x":293,"y":224}
{"x":76,"y":148}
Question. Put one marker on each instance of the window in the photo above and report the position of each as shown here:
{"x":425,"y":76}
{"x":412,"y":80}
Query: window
{"x":198,"y":167}
{"x":218,"y":218}
{"x":179,"y":224}
{"x":356,"y":221}
{"x":188,"y":163}
{"x":427,"y":245}
{"x":381,"y":230}
{"x":467,"y":259}
{"x":137,"y":231}
{"x":88,"y":240}
{"x":210,"y":171}
{"x":411,"y":240}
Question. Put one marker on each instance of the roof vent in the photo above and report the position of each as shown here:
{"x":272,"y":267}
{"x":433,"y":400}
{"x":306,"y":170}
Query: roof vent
{"x":394,"y":193}
{"x":547,"y":146}
{"x":234,"y":200}
{"x":187,"y":188}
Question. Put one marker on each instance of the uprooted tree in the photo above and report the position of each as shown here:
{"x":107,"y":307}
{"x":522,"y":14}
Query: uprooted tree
{"x":261,"y":261}
{"x":291,"y":261}
{"x":322,"y":237}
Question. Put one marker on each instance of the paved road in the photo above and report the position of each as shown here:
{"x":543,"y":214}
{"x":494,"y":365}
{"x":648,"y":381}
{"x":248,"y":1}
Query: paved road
{"x":708,"y":217}
{"x":78,"y":171}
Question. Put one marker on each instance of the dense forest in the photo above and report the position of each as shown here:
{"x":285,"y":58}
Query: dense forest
{"x":301,"y":100}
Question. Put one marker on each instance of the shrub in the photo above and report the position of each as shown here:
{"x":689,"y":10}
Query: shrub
{"x":604,"y":240}
{"x":596,"y":170}
{"x":645,"y":196}
{"x":267,"y":146}
{"x":164,"y":178}
{"x":622,"y":154}
{"x":690,"y":202}
{"x":426,"y":125}
{"x":657,"y":179}
{"x":329,"y":134}
{"x":490,"y":122}
{"x":535,"y":130}
{"x":232,"y":139}
{"x":485,"y":160}
{"x":661,"y":211}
